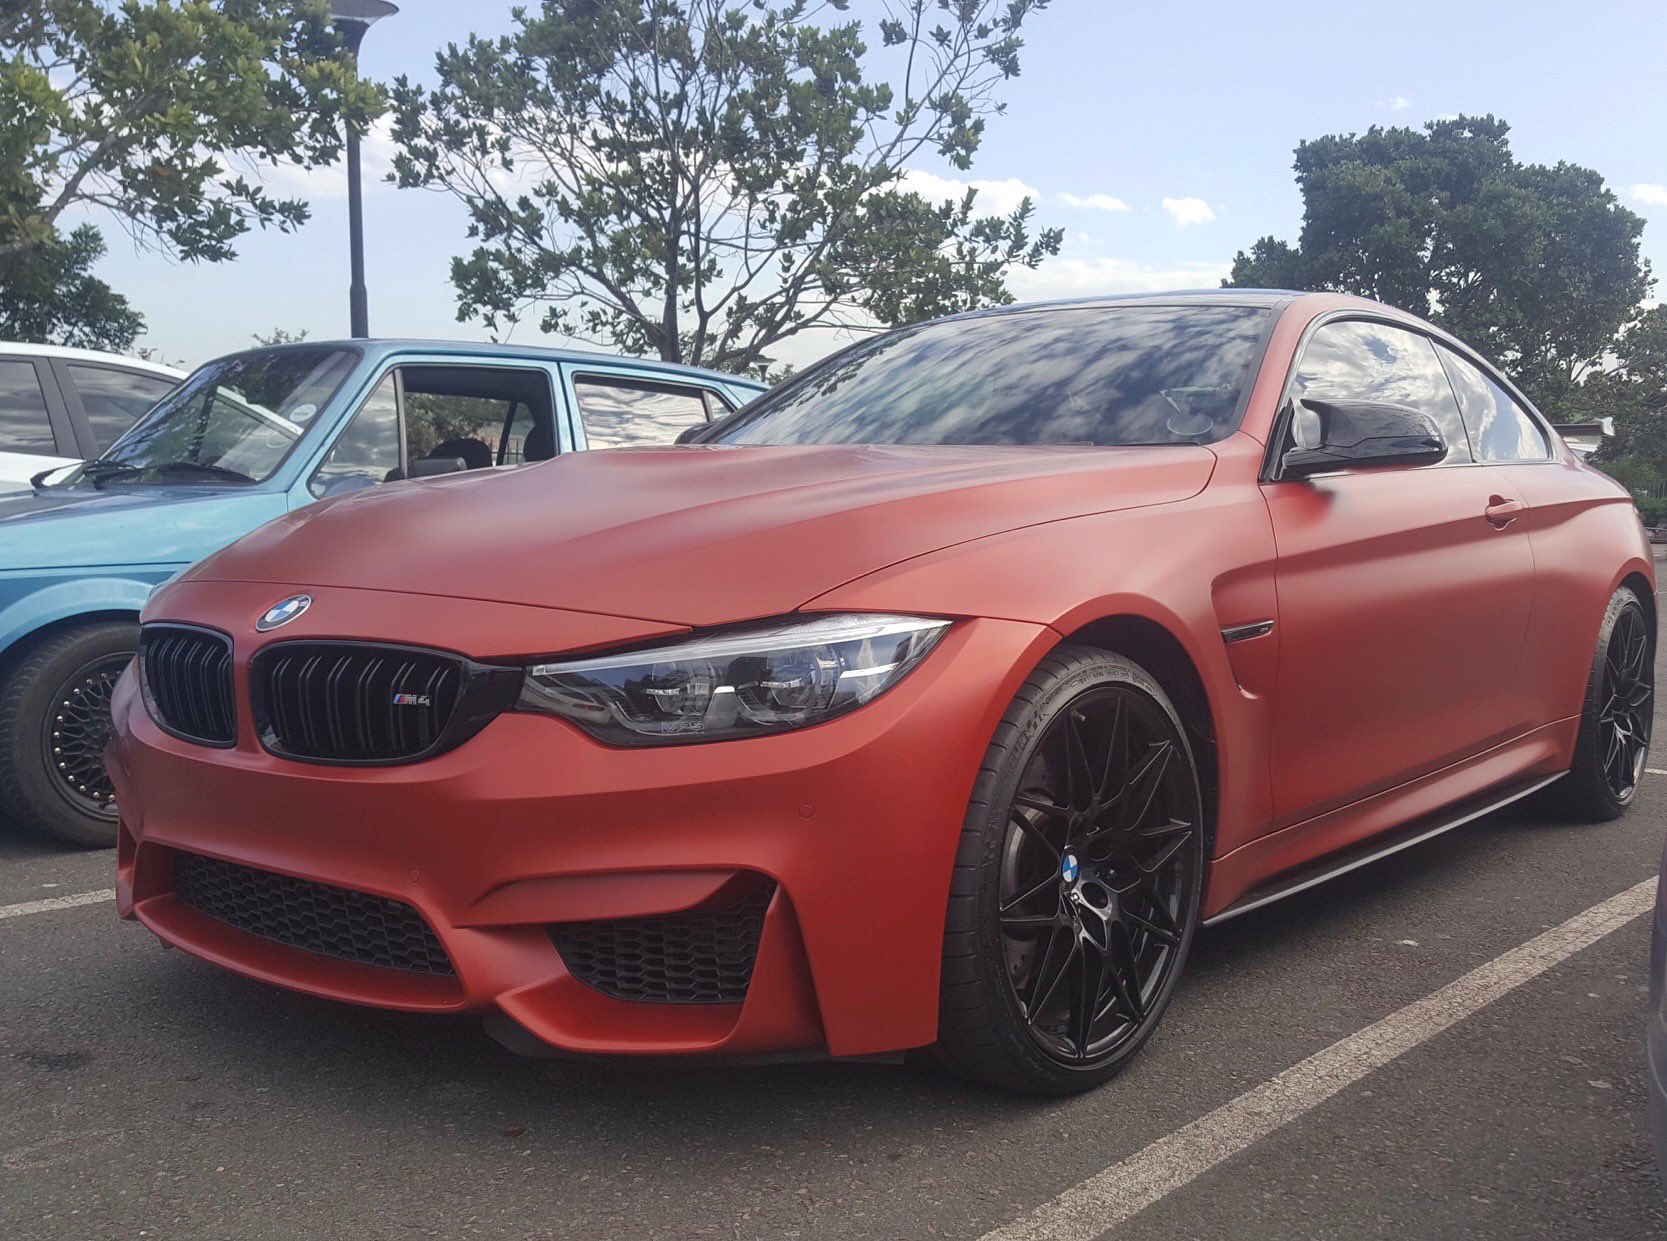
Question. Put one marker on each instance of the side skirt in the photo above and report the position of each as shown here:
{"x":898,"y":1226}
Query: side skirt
{"x":1379,"y":846}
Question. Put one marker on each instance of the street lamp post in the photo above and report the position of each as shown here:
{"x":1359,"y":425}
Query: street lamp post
{"x":353,"y":18}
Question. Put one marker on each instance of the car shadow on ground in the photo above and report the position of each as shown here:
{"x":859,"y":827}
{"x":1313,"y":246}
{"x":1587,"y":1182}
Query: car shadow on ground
{"x":18,"y":844}
{"x":425,"y":1069}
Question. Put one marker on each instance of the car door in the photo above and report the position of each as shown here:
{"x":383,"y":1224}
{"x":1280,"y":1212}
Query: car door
{"x":441,"y":410}
{"x":1404,"y":594}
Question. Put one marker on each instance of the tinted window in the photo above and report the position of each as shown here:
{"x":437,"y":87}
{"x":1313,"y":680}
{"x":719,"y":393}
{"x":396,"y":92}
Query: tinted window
{"x":367,"y":451}
{"x":618,"y":412}
{"x":1355,"y":360}
{"x":1090,"y":375}
{"x":114,"y":399}
{"x":480,"y":415}
{"x":24,"y":426}
{"x":1500,"y":429}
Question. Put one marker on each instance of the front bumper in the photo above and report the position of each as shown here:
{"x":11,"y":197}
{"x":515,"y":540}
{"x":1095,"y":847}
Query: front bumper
{"x":531,"y":824}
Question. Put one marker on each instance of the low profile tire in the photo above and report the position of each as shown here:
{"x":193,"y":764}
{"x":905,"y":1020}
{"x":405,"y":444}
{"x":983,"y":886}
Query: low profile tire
{"x":1615,"y":722}
{"x":54,"y":722}
{"x":1077,"y":882}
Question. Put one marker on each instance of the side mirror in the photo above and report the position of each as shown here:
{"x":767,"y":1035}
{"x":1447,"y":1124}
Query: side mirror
{"x":1350,"y":435}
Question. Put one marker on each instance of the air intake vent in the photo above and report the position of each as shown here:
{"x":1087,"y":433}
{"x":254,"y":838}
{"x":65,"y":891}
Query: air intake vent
{"x":186,"y":676}
{"x":315,"y":917}
{"x":354,"y":702}
{"x":704,"y":956}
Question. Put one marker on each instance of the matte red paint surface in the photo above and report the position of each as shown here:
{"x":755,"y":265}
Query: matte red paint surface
{"x":1420,"y":656}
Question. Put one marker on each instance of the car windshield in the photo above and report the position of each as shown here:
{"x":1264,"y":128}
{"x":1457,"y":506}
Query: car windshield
{"x":1100,"y":375}
{"x":233,"y":421}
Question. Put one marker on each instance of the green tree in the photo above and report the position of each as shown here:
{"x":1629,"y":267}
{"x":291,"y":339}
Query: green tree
{"x":49,"y":294}
{"x":1536,"y":266}
{"x":148,"y":110}
{"x":703,"y":180}
{"x":279,"y":336}
{"x":1632,"y":389}
{"x":156,"y":114}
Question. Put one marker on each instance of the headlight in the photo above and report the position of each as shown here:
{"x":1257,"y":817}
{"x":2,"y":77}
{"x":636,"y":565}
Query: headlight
{"x":738,"y":684}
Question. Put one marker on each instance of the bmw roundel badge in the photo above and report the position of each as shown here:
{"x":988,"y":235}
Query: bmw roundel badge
{"x":282,"y":612}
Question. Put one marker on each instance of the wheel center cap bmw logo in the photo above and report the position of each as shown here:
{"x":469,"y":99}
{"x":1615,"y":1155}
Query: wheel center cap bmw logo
{"x":1070,"y":868}
{"x":282,"y":612}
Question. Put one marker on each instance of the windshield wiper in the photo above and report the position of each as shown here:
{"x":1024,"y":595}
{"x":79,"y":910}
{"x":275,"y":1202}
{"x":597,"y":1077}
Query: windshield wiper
{"x":100,"y":472}
{"x":198,"y":467}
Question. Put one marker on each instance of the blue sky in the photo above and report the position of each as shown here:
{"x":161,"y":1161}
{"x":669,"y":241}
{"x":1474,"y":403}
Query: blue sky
{"x":1159,"y":135}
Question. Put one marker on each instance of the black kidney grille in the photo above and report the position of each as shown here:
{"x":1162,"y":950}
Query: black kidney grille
{"x":188,"y":682}
{"x":315,"y":917}
{"x":353,"y":702}
{"x":704,"y":956}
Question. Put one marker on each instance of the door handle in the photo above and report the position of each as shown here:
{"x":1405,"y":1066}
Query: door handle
{"x":1501,"y":511}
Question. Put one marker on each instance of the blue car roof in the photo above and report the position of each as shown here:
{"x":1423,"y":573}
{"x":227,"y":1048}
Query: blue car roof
{"x":382,"y":345}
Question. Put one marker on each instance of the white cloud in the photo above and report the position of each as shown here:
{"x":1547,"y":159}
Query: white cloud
{"x":1653,"y":195}
{"x":1001,"y":197}
{"x":1090,"y":277}
{"x":376,"y":159}
{"x":1094,"y":202}
{"x":1188,"y":211}
{"x":1400,"y":103}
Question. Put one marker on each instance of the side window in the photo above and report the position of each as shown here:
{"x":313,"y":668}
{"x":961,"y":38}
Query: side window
{"x":367,"y":450}
{"x":1357,"y":360}
{"x":621,"y":412}
{"x":24,"y":424}
{"x":114,"y":399}
{"x":480,"y":415}
{"x":1500,"y":429}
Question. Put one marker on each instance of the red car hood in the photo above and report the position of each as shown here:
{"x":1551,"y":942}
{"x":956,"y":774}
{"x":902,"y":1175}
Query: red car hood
{"x":693,"y":535}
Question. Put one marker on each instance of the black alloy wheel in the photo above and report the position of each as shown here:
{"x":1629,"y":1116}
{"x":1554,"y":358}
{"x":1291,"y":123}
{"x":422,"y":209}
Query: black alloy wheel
{"x":1613,"y":742}
{"x":1083,"y":872}
{"x":1627,"y":695}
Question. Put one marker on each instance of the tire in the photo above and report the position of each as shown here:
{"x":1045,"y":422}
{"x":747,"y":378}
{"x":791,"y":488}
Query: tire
{"x":1615,"y":719}
{"x":54,"y":719}
{"x":1121,"y":930}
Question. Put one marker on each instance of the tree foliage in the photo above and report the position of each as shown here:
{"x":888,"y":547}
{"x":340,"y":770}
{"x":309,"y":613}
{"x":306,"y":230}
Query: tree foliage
{"x":702,"y":180}
{"x":1537,"y":266}
{"x":49,"y":295}
{"x":148,"y":110}
{"x":1632,"y":388}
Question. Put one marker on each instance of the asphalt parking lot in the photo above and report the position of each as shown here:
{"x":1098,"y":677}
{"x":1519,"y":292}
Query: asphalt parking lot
{"x":145,"y":1094}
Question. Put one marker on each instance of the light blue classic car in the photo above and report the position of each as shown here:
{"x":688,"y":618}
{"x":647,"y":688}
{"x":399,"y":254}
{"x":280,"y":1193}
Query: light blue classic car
{"x":245,"y":439}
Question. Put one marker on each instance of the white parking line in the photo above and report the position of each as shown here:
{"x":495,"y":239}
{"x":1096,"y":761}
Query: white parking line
{"x":1110,"y":1197}
{"x":56,"y":902}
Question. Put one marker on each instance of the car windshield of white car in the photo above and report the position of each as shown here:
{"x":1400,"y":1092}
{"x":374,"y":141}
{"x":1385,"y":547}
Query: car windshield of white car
{"x":1097,"y":375}
{"x":233,"y":421}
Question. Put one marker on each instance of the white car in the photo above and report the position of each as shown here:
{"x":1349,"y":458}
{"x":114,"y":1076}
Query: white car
{"x":59,"y":406}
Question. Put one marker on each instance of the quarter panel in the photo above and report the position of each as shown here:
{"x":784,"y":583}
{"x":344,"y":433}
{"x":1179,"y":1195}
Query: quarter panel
{"x":1586,"y":539}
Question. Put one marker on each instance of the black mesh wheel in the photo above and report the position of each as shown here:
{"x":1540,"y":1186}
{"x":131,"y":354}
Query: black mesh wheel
{"x":74,"y":734}
{"x":54,"y":723}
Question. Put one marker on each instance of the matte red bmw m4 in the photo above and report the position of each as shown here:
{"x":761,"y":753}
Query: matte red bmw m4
{"x":935,"y":700}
